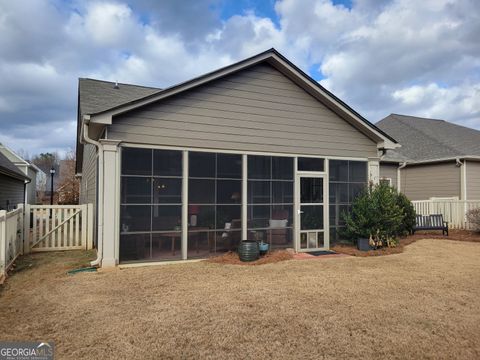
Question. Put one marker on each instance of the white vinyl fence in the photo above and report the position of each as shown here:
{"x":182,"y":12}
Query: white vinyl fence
{"x":11,"y":238}
{"x":58,"y":227}
{"x":453,"y":211}
{"x":34,"y":228}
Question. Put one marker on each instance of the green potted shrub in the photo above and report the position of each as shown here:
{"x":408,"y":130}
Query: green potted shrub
{"x":376,"y":218}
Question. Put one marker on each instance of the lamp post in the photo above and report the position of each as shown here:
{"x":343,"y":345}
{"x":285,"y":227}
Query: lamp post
{"x":52,"y":172}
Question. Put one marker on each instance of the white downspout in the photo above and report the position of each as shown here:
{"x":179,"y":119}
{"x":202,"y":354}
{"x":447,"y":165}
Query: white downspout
{"x":85,"y":137}
{"x":399,"y":176}
{"x":463,"y":178}
{"x":463,"y":188}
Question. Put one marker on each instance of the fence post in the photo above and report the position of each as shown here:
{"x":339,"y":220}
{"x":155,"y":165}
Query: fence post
{"x":90,"y":226}
{"x":3,"y":241}
{"x":84,"y":233}
{"x":26,"y":229}
{"x":20,"y":225}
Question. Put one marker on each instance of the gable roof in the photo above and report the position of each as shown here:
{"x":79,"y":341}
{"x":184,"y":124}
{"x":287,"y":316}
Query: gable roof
{"x":273,"y":57}
{"x":425,"y":139}
{"x":9,"y":169}
{"x":98,"y":95}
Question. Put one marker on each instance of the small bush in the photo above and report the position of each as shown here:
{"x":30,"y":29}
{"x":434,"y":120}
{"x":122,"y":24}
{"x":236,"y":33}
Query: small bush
{"x":473,"y":217}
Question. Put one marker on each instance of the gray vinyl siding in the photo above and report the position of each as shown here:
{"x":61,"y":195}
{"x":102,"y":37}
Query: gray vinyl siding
{"x":473,"y":180}
{"x":11,"y":190}
{"x":389,"y":171}
{"x":32,"y":187}
{"x":433,"y":180}
{"x":89,"y":175}
{"x":88,"y":185}
{"x":257,"y":109}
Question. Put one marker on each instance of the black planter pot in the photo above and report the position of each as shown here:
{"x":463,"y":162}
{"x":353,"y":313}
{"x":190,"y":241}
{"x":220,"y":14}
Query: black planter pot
{"x":363,"y":245}
{"x":248,"y":250}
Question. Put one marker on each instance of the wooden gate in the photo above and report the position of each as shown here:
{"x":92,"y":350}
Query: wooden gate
{"x":58,"y":227}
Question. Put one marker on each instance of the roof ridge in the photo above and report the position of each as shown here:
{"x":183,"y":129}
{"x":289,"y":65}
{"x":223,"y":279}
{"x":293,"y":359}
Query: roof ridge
{"x":434,"y":139}
{"x":119,"y":83}
{"x":417,"y":117}
{"x":264,"y":56}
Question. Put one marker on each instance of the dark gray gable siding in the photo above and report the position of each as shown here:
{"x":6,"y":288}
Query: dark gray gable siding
{"x":257,"y":109}
{"x":11,"y":191}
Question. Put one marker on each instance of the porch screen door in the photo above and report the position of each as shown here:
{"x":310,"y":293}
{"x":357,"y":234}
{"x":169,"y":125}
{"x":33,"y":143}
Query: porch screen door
{"x":311,"y":215}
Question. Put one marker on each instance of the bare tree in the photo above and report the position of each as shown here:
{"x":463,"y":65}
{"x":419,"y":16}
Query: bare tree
{"x":68,"y":185}
{"x":23,"y":154}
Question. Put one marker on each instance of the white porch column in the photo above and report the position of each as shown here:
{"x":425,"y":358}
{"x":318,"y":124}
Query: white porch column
{"x":244,"y":197}
{"x":374,"y":170}
{"x":110,"y":201}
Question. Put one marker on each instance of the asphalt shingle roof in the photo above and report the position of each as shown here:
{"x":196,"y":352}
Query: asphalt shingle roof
{"x":429,"y":139}
{"x":8,"y":168}
{"x":98,"y":95}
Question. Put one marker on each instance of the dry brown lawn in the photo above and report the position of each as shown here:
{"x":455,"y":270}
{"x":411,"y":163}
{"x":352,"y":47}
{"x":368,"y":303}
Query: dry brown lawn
{"x":422,"y":303}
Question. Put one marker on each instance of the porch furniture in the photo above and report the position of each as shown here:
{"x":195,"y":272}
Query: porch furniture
{"x":173,"y":235}
{"x":230,"y":237}
{"x":196,"y":231}
{"x":431,"y":222}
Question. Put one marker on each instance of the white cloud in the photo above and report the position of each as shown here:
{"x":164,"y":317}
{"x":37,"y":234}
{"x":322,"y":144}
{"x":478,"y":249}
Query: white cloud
{"x":441,"y":102}
{"x":404,"y":56}
{"x":112,"y":24}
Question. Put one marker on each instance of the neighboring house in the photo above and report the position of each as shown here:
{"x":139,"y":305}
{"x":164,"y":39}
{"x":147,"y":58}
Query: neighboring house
{"x":12,"y":184}
{"x":30,"y":170}
{"x":437,"y":159}
{"x":255,"y":150}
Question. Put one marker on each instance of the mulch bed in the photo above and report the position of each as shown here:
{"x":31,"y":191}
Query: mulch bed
{"x":456,"y":235}
{"x":232,"y":258}
{"x":347,"y":249}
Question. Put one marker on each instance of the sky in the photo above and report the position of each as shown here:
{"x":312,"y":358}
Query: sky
{"x":409,"y":57}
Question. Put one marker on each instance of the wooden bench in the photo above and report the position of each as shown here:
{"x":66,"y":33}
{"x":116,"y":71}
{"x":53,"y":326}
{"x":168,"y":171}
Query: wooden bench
{"x":431,"y":222}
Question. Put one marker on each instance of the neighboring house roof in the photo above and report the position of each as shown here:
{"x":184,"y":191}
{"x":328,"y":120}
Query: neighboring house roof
{"x":273,"y":57}
{"x":16,"y":159}
{"x":425,"y":139}
{"x":9,"y":169}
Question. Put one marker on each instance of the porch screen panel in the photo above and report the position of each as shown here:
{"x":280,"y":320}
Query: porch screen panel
{"x":270,"y":200}
{"x":346,"y":180}
{"x":151,"y":203}
{"x":214,"y":203}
